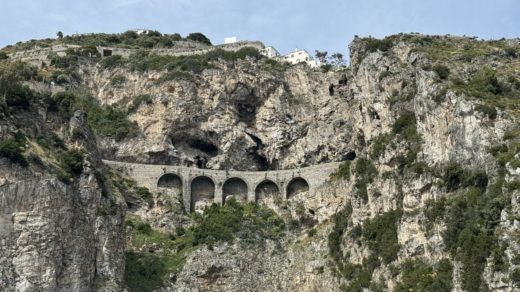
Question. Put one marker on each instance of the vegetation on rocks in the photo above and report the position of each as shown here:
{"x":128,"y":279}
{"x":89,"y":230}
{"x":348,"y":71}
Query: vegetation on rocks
{"x":106,"y":121}
{"x":145,"y":271}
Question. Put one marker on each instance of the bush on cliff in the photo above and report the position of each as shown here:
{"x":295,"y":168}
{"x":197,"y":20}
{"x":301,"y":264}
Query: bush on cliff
{"x":13,"y":150}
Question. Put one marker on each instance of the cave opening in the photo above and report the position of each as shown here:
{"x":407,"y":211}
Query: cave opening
{"x":204,"y":146}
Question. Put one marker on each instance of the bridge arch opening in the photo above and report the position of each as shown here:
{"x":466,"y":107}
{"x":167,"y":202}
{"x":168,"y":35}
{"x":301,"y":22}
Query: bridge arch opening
{"x":266,"y":189}
{"x":202,"y":193}
{"x":235,"y":188}
{"x":296,"y":186}
{"x":170,"y":180}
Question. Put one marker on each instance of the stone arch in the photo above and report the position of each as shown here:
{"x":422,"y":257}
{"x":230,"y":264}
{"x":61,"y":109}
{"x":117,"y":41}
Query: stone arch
{"x":235,"y":187}
{"x":170,"y":180}
{"x":265,"y":189}
{"x":297,"y":185}
{"x":202,"y":193}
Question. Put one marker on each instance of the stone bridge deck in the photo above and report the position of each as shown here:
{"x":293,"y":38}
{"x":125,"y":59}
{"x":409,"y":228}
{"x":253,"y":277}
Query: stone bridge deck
{"x":208,"y":185}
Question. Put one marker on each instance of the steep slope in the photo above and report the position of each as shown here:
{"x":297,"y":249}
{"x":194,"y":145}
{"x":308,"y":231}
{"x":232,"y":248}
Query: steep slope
{"x":427,"y":198}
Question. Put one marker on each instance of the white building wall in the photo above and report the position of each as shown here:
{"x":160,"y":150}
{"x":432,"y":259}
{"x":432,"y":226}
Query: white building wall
{"x":230,"y":40}
{"x":270,"y":52}
{"x":300,"y":56}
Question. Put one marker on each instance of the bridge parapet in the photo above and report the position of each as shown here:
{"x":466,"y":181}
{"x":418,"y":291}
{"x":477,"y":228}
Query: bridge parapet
{"x":287,"y":182}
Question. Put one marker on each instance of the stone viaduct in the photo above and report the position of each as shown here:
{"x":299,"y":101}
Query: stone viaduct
{"x":200,"y":187}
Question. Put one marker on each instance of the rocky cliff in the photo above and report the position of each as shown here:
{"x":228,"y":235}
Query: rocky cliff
{"x":426,"y":199}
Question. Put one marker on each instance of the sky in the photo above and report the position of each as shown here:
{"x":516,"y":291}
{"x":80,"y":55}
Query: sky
{"x":286,"y":25}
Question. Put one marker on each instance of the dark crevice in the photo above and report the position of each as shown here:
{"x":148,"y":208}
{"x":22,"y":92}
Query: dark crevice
{"x":206,"y":147}
{"x":350,"y":155}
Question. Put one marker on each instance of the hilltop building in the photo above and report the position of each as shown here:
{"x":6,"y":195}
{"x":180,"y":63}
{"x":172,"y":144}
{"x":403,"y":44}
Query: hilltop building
{"x":300,"y":56}
{"x":269,"y":52}
{"x":230,"y":40}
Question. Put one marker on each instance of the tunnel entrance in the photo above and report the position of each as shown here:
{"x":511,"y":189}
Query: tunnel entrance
{"x":202,"y":193}
{"x":265,"y":190}
{"x":296,"y":186}
{"x":235,"y":188}
{"x":170,"y":180}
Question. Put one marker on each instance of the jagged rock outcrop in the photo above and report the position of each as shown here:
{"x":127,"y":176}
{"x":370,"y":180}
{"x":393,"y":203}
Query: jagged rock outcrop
{"x":60,"y":236}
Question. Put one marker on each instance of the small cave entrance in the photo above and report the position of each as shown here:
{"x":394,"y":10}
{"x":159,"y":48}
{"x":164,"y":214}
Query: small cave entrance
{"x":235,"y":188}
{"x":170,"y":180}
{"x":266,"y":189}
{"x":204,"y":146}
{"x":296,"y":186}
{"x":202,"y":193}
{"x":107,"y":52}
{"x":246,"y":102}
{"x":351,"y":155}
{"x":257,"y":155}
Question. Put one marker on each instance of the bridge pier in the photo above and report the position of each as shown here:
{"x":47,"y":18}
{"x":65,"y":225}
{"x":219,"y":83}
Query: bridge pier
{"x":219,"y":194}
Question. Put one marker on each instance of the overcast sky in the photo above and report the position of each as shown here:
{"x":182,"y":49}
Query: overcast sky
{"x":323,"y":25}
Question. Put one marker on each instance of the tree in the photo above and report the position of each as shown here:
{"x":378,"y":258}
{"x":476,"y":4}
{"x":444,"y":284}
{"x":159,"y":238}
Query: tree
{"x":322,"y":56}
{"x":337,"y":59}
{"x":198,"y":37}
{"x":59,"y":34}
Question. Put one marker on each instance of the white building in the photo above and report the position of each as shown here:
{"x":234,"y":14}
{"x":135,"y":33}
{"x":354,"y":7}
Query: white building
{"x":230,"y":40}
{"x":300,"y":56}
{"x":141,"y":31}
{"x":269,"y":52}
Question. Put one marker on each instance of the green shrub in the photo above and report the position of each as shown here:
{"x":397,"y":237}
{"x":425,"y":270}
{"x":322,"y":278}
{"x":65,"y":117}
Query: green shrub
{"x":435,"y":209}
{"x":274,"y":66}
{"x":343,"y":171}
{"x":138,"y":101}
{"x":455,"y":177}
{"x":365,"y":174}
{"x":418,"y":276}
{"x":12,"y":149}
{"x":117,"y":80}
{"x":373,"y":45}
{"x":404,"y":122}
{"x":442,"y":71}
{"x":340,"y":224}
{"x":145,"y":194}
{"x":112,"y":62}
{"x":379,"y":144}
{"x":380,"y":233}
{"x":111,"y":122}
{"x":384,"y":74}
{"x":490,"y":111}
{"x":199,"y":37}
{"x":71,"y":163}
{"x":248,"y":52}
{"x":470,"y":235}
{"x":250,"y":222}
{"x":515,"y":277}
{"x":144,"y":271}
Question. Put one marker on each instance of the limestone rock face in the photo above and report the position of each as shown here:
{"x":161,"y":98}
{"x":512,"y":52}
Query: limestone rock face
{"x":242,"y":118}
{"x":245,"y":115}
{"x":57,"y":236}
